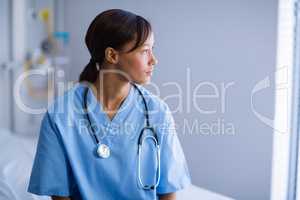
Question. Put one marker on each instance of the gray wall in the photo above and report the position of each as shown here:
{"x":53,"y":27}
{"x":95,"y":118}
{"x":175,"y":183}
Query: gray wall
{"x":4,"y":57}
{"x":221,"y":42}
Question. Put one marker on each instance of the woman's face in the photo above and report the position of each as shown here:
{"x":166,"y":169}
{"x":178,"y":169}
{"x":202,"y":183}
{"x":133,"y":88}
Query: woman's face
{"x":138,"y":64}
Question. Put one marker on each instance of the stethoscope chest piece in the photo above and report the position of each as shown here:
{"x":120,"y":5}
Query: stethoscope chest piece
{"x":103,"y":151}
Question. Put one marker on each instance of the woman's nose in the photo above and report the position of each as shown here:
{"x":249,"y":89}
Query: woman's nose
{"x":154,"y":61}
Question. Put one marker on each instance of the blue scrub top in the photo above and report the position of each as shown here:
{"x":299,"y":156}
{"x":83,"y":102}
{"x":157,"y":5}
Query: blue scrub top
{"x":66,"y":163}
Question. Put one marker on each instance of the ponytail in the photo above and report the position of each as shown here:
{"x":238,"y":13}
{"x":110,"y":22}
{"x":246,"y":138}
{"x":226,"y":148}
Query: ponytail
{"x":89,"y":73}
{"x":112,"y":28}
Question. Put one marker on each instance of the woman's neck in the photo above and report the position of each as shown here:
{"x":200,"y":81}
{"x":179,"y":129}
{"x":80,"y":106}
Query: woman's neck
{"x":110,"y":90}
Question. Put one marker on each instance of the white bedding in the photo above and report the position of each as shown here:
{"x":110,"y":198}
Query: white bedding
{"x":15,"y":166}
{"x":16,"y":161}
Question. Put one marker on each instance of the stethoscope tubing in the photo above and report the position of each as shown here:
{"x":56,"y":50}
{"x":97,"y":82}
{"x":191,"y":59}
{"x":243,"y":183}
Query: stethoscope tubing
{"x":140,"y":139}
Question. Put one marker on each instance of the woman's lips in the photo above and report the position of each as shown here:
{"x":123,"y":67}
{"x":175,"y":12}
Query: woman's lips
{"x":149,"y":73}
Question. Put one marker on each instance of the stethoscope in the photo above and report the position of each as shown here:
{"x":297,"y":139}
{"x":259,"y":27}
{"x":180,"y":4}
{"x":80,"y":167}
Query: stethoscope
{"x":103,"y":150}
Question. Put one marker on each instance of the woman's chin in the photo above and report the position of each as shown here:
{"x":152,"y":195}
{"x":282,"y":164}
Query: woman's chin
{"x":143,"y":81}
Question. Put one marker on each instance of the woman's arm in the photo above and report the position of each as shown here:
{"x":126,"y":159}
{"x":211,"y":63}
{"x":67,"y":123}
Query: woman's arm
{"x":169,"y":196}
{"x":60,"y":198}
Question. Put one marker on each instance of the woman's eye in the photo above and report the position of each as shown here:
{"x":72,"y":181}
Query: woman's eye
{"x":145,"y":51}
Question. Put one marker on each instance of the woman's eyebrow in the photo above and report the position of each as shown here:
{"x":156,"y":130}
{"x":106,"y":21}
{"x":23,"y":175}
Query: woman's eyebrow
{"x":147,"y":45}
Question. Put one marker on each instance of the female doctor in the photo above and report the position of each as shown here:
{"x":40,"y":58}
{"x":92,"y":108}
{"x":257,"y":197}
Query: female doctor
{"x":108,"y":137}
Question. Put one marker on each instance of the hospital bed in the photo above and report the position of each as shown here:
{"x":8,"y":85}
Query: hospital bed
{"x":17,"y":153}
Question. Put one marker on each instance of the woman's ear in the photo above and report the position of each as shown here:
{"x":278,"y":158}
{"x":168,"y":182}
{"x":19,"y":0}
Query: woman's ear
{"x":111,"y":55}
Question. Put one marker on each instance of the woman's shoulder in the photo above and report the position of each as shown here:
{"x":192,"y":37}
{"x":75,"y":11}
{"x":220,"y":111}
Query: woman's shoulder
{"x":154,"y":102}
{"x":70,"y":98}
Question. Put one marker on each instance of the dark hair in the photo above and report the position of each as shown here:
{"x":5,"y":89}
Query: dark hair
{"x":112,"y":28}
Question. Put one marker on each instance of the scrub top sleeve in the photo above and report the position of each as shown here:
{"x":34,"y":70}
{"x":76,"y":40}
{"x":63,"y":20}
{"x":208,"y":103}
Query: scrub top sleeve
{"x":51,"y":172}
{"x":174,"y":171}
